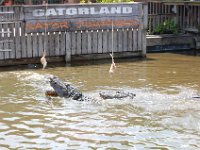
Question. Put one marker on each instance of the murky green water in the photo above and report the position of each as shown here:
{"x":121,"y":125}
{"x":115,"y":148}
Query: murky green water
{"x":163,"y":115}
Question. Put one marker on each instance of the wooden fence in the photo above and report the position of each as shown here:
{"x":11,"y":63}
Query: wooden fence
{"x":185,"y":14}
{"x":71,"y":30}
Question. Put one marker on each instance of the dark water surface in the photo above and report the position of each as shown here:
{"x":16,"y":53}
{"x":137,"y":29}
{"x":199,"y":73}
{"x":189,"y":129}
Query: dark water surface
{"x":163,"y":115}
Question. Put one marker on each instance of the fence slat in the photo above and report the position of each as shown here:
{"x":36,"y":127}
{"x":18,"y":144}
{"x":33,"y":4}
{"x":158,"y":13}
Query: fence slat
{"x":198,"y":15}
{"x":100,"y":39}
{"x":68,"y":47}
{"x":185,"y":17}
{"x":135,"y":40}
{"x":51,"y":44}
{"x":89,"y":42}
{"x":84,"y":42}
{"x":6,"y":53}
{"x":130,"y":40}
{"x":115,"y":41}
{"x":57,"y":44}
{"x":79,"y":41}
{"x":35,"y":47}
{"x":1,"y":43}
{"x":23,"y":41}
{"x":63,"y":43}
{"x":41,"y":44}
{"x":120,"y":40}
{"x":110,"y":38}
{"x":105,"y":41}
{"x":18,"y":41}
{"x":125,"y":42}
{"x":11,"y":43}
{"x":139,"y":39}
{"x":29,"y":46}
{"x":74,"y":46}
{"x":94,"y":42}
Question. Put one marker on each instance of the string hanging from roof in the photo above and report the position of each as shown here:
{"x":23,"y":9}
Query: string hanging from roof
{"x":43,"y":58}
{"x":112,"y":66}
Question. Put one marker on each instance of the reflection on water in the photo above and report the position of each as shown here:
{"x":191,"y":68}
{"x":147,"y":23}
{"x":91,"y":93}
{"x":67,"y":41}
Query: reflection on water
{"x":163,"y":115}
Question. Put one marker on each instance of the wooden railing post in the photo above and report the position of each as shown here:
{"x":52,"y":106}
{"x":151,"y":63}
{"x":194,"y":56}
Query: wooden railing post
{"x":145,"y":25}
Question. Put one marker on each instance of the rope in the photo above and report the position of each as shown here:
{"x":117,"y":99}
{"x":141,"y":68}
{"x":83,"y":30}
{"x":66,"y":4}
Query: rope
{"x":113,"y":66}
{"x":45,"y":26}
{"x":43,"y":59}
{"x":112,"y":39}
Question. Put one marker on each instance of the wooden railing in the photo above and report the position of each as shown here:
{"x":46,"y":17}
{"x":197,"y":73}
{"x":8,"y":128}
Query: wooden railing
{"x":185,"y":14}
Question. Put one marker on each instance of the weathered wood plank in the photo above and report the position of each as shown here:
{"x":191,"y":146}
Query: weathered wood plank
{"x":94,"y":42}
{"x":57,"y":44}
{"x":46,"y":43}
{"x":5,"y":37}
{"x":51,"y":39}
{"x":6,"y":54}
{"x":105,"y":41}
{"x":111,"y":41}
{"x":23,"y":41}
{"x":120,"y":40}
{"x":135,"y":40}
{"x":124,"y":41}
{"x":18,"y":41}
{"x":130,"y":40}
{"x":11,"y":27}
{"x":74,"y":41}
{"x":11,"y":44}
{"x":89,"y":42}
{"x":29,"y":46}
{"x":17,"y":34}
{"x":63,"y":43}
{"x":84,"y":42}
{"x":68,"y":47}
{"x":99,"y":43}
{"x":115,"y":42}
{"x":40,"y":44}
{"x":35,"y":45}
{"x":195,"y":21}
{"x":198,"y":15}
{"x":79,"y":41}
{"x":184,"y":17}
{"x":1,"y":41}
{"x":144,"y":27}
{"x":139,"y":42}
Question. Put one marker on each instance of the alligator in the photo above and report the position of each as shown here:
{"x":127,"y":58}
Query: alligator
{"x":66,"y":90}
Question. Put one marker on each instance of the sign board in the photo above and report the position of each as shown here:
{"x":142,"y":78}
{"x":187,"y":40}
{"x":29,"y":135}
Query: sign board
{"x":82,"y":17}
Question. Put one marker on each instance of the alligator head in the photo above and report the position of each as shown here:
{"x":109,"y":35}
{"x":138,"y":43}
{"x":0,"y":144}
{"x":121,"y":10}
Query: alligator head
{"x":64,"y":90}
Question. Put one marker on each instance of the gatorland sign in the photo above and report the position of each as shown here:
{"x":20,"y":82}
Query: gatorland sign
{"x":83,"y":17}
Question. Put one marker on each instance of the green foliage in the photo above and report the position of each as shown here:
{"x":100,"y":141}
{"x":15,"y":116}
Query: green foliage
{"x":167,"y":27}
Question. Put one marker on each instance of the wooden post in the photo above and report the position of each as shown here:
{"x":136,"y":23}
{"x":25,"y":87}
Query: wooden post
{"x":145,"y":24}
